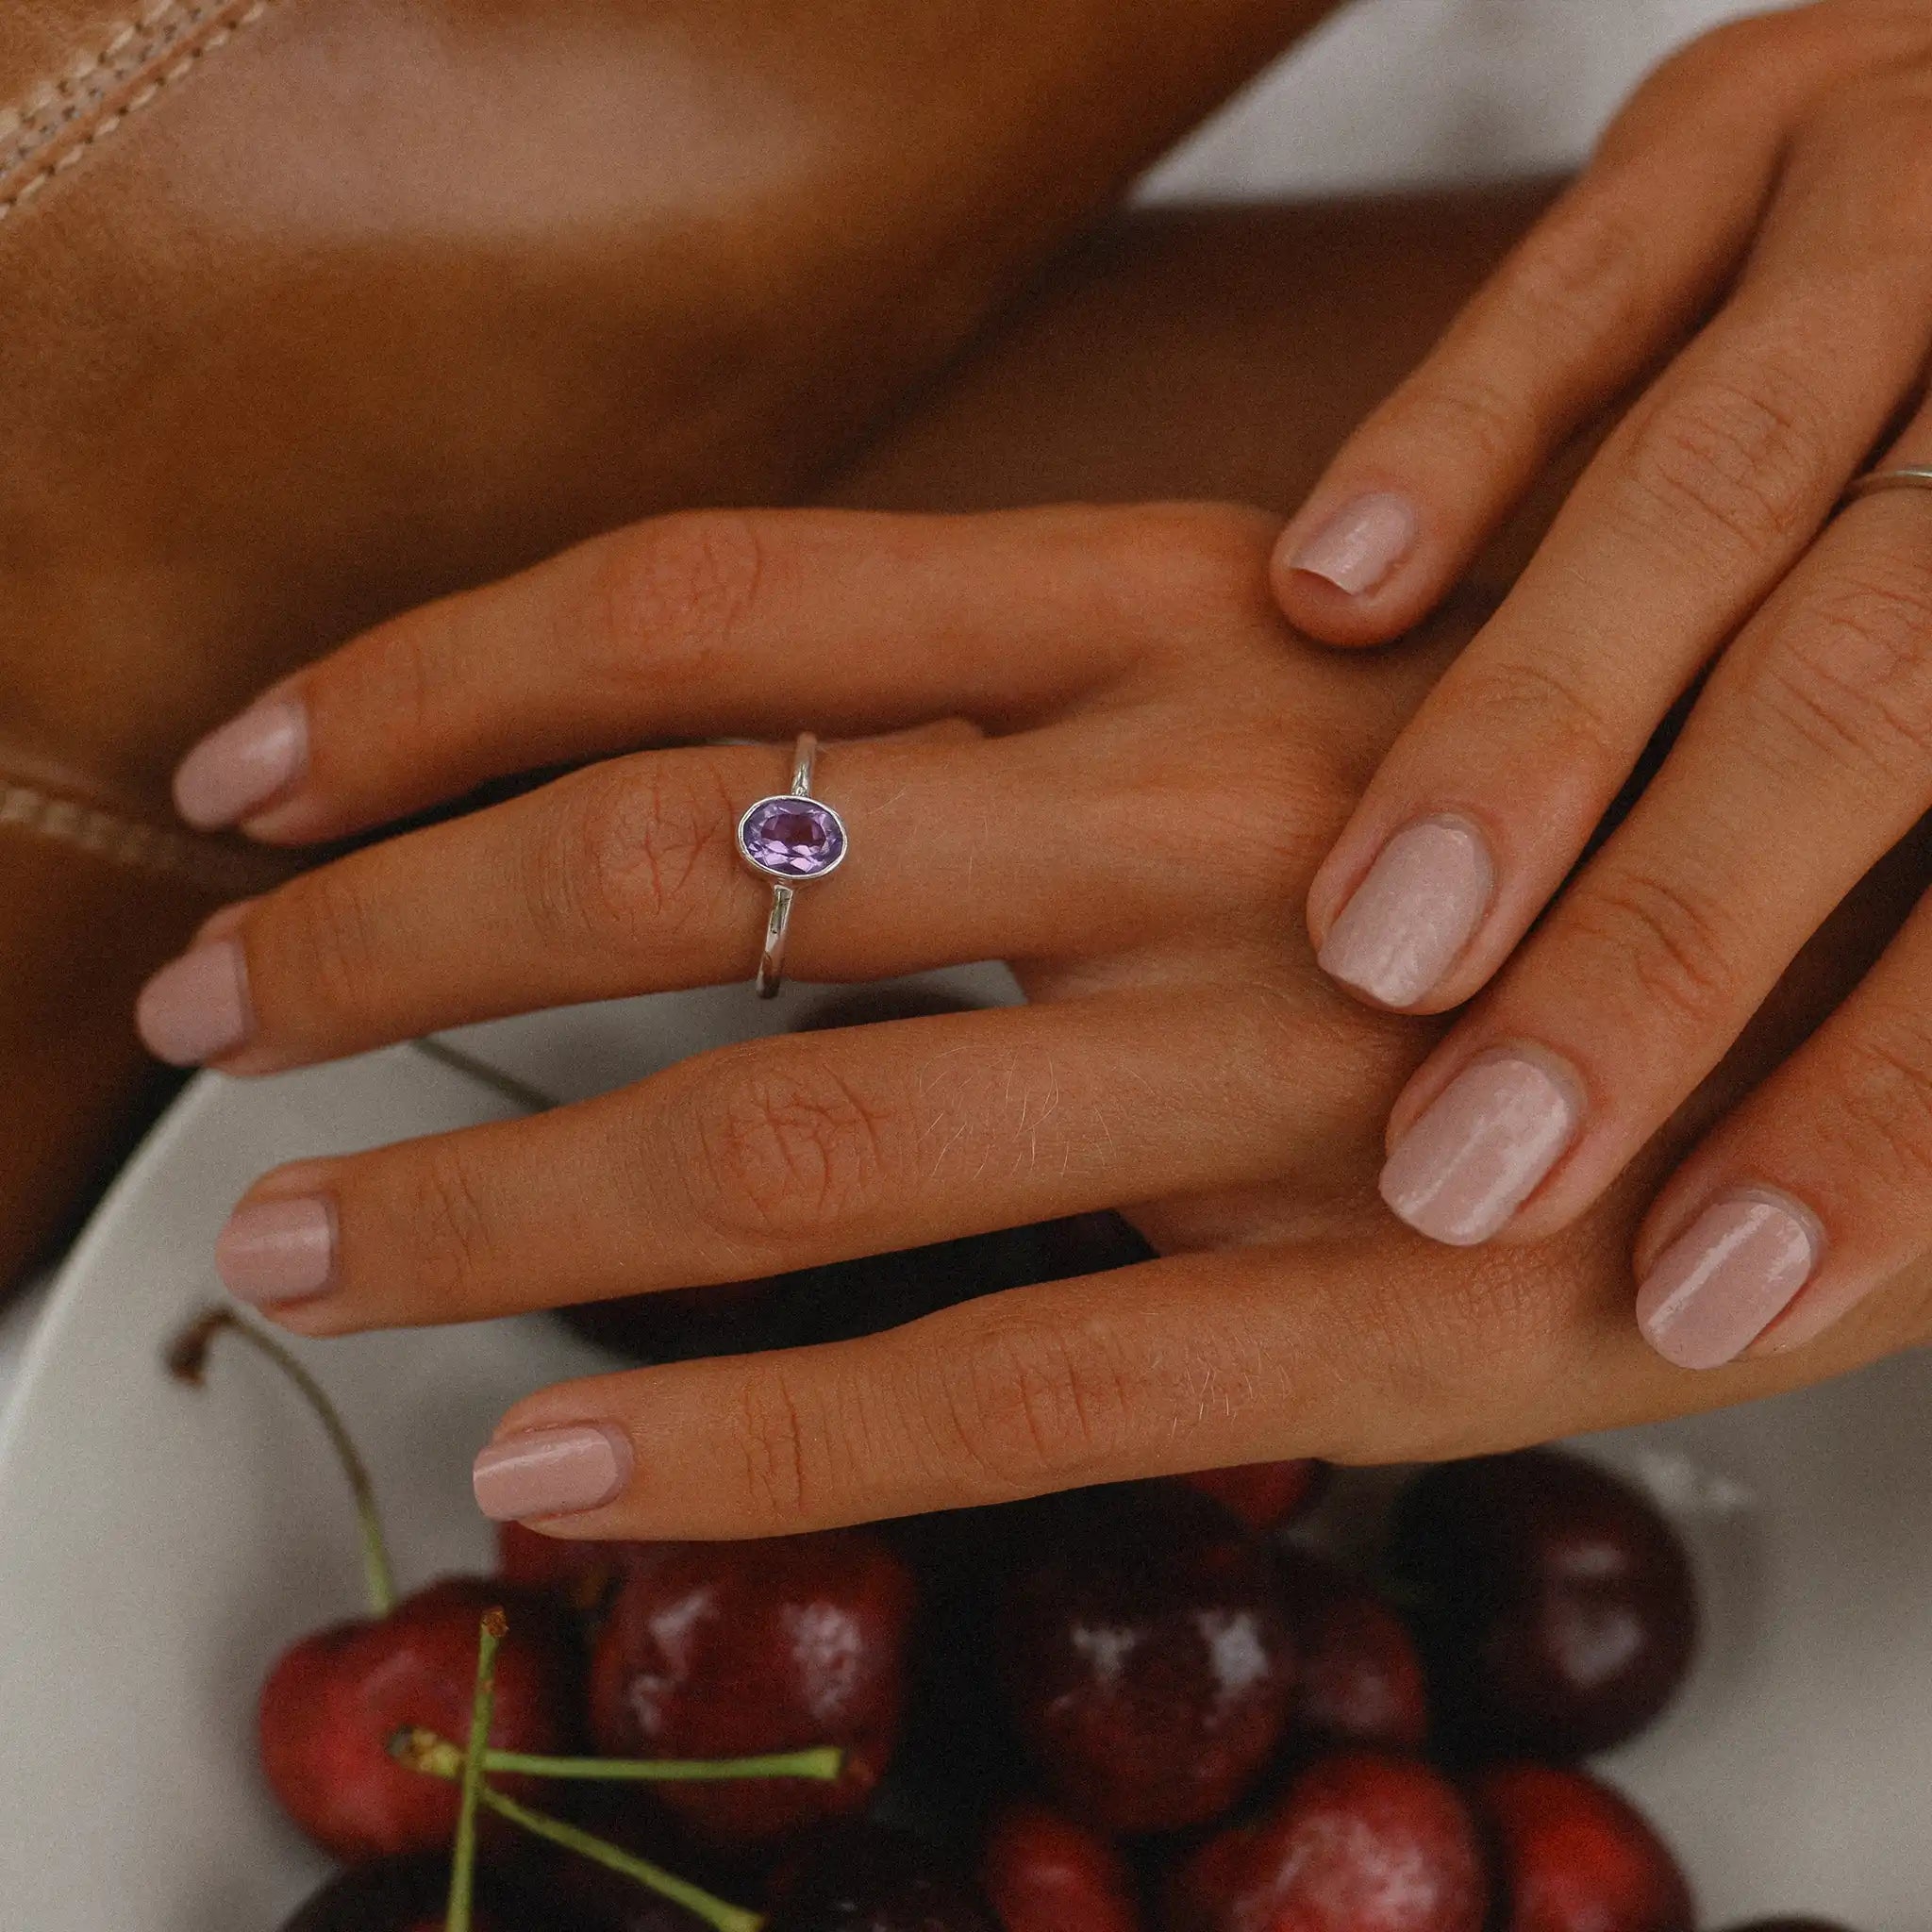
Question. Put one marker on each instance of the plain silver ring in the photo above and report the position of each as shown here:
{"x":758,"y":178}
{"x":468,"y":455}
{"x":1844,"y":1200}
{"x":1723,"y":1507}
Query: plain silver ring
{"x":1870,"y":485}
{"x":790,"y":848}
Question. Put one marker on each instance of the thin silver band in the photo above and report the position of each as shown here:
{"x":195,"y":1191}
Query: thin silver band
{"x":1914,"y":478}
{"x":804,"y":756}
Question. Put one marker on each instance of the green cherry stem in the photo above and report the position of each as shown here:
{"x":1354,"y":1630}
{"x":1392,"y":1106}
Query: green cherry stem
{"x":821,"y":1764}
{"x":186,"y":1359}
{"x":462,"y":1871}
{"x":436,"y":1757}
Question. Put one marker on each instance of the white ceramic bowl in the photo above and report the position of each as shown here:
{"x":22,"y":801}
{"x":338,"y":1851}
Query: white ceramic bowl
{"x":159,"y":1546}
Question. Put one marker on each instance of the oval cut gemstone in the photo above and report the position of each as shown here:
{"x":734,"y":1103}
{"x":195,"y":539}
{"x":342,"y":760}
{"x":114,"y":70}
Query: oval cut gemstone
{"x":794,"y":838}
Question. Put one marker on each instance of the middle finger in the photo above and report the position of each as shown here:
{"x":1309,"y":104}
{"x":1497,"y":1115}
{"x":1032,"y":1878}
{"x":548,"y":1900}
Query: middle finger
{"x":809,"y":1148}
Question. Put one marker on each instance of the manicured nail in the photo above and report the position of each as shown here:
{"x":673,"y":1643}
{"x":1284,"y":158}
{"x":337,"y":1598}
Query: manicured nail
{"x":1478,"y":1152}
{"x":1356,"y":547}
{"x":1726,"y":1278}
{"x":277,"y":1251}
{"x":1414,"y":912}
{"x":552,"y":1472}
{"x":196,"y":1007}
{"x":239,"y":767}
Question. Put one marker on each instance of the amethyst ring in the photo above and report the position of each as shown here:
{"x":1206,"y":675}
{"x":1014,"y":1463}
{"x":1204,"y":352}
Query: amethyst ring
{"x":789,"y":839}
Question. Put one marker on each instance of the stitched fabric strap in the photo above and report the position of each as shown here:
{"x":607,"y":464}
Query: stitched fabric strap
{"x":152,"y":850}
{"x":134,"y":63}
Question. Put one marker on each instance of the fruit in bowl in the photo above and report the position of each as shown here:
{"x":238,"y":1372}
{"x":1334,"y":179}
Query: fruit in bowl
{"x":1176,"y":1713}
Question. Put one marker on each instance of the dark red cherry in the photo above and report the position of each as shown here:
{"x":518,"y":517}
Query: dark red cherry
{"x":335,"y":1699}
{"x":1571,"y":1855}
{"x":1042,"y":1871}
{"x":580,"y":1575}
{"x":1263,"y":1496}
{"x":729,"y":1650}
{"x":866,"y":1877}
{"x":1358,"y":1843}
{"x":411,"y":1895}
{"x":584,"y":1896}
{"x":1361,"y":1681}
{"x":1554,"y":1605}
{"x":1147,"y":1661}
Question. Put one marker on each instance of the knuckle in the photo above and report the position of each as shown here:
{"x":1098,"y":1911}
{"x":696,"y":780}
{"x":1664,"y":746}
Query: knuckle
{"x":639,"y":847}
{"x":1732,"y":57}
{"x":451,"y":1243}
{"x":670,"y":596}
{"x":1883,"y":1094}
{"x":1546,"y":701}
{"x":784,"y":1145}
{"x":1727,"y":463}
{"x":1023,"y":1406}
{"x":1573,"y":283}
{"x":1670,"y":941}
{"x":328,"y":923}
{"x":1851,"y":673}
{"x":768,"y":1427}
{"x":1456,"y":408}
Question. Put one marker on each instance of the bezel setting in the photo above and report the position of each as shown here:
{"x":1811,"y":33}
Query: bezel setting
{"x":798,"y":874}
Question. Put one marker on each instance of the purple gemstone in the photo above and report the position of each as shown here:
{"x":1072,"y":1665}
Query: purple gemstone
{"x":796,"y":837}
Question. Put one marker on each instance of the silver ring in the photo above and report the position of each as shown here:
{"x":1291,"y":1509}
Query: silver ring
{"x":790,"y":839}
{"x":1870,"y":485}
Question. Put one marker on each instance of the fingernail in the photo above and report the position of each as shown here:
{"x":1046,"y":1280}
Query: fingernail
{"x":1406,"y":922}
{"x":1478,"y":1152}
{"x":1356,"y":547}
{"x":552,"y":1472}
{"x":1727,"y":1277}
{"x":239,"y":767}
{"x":277,"y":1251}
{"x":196,"y":1007}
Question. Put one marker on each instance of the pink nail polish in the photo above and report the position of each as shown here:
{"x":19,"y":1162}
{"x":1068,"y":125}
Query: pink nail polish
{"x":1479,"y":1151}
{"x":552,"y":1472}
{"x":1414,"y":912}
{"x":240,"y":766}
{"x":196,"y":1007}
{"x":277,"y":1251}
{"x":1356,"y":547}
{"x":1722,"y":1282}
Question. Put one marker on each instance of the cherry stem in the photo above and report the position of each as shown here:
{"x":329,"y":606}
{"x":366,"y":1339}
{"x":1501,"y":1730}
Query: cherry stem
{"x":437,"y":1758}
{"x":822,"y":1764}
{"x":462,"y":1872}
{"x":187,"y":1363}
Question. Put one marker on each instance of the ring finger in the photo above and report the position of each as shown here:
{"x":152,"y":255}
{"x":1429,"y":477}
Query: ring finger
{"x":625,"y":877}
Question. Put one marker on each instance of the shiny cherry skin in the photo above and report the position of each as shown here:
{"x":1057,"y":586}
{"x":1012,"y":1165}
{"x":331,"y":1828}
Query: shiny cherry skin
{"x":728,"y":1650}
{"x":336,"y":1698}
{"x":1573,"y":1856}
{"x":1361,"y":1679}
{"x":411,"y":1895}
{"x":1555,"y":1608}
{"x":1147,"y":1660}
{"x":865,"y":1877}
{"x":1042,"y":1871}
{"x":1264,"y":1495}
{"x":1360,"y":1842}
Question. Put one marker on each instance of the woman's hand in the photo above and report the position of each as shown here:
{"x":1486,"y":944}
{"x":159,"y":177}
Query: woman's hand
{"x":1149,"y":767}
{"x":1769,"y":192}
